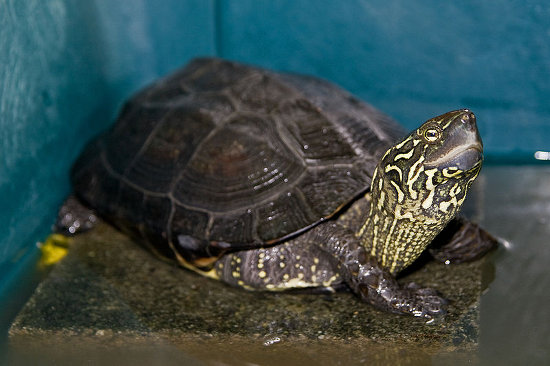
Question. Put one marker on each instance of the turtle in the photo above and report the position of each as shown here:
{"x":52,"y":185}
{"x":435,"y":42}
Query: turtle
{"x":272,"y":181}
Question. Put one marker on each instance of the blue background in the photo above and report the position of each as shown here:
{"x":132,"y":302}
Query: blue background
{"x":67,"y":65}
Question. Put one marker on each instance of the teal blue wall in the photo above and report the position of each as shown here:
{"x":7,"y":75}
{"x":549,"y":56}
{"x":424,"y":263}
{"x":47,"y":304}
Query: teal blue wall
{"x":65,"y":68}
{"x":67,"y":65}
{"x":414,"y":59}
{"x":51,"y":88}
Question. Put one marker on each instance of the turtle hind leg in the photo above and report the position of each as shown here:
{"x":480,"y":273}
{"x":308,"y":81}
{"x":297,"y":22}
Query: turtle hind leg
{"x":288,"y":266}
{"x":462,"y":241}
{"x":73,"y":217}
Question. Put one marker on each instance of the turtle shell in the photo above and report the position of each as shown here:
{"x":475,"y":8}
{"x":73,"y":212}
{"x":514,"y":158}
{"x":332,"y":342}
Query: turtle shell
{"x":221,"y":155}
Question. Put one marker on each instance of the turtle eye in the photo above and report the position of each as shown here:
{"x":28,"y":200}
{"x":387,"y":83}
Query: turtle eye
{"x":432,"y":134}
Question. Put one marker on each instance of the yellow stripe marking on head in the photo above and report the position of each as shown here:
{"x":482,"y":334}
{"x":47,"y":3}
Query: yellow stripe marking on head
{"x":406,"y":155}
{"x":430,"y":186}
{"x":414,"y":173}
{"x":389,"y":168}
{"x":400,"y":194}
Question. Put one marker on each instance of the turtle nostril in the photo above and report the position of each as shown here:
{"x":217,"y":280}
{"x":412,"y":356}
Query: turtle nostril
{"x":472,"y":118}
{"x":468,"y":119}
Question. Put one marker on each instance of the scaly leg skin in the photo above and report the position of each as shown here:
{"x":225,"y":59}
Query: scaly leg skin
{"x":325,"y":257}
{"x":374,"y":284}
{"x":73,"y":217}
{"x":379,"y":288}
{"x":462,"y":241}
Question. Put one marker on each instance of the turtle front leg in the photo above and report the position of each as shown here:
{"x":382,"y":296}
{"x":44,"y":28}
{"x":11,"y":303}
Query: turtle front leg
{"x":462,"y":241}
{"x":374,"y":284}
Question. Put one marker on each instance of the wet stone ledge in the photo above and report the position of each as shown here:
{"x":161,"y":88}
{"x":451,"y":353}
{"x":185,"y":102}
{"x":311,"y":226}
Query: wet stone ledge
{"x":109,"y":292}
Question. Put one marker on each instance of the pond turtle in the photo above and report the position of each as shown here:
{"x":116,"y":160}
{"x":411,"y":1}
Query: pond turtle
{"x":263,"y":180}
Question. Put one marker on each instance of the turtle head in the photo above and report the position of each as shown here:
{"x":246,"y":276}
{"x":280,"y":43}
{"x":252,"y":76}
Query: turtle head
{"x":420,"y":185}
{"x":429,"y":172}
{"x":451,"y":146}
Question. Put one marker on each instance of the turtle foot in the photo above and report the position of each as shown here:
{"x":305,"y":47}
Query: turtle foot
{"x":381,"y":289}
{"x":73,"y":217}
{"x":462,"y":241}
{"x":412,"y":300}
{"x":420,"y":302}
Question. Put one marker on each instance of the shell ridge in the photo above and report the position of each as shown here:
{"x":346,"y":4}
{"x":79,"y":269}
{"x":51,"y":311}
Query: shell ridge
{"x":146,"y":143}
{"x":177,"y":178}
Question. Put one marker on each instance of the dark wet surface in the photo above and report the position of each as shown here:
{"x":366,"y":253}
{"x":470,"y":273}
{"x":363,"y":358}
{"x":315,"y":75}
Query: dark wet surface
{"x":110,"y":289}
{"x":111,"y":302}
{"x":515,"y":312}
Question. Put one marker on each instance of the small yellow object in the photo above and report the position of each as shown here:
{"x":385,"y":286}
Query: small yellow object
{"x":54,"y":248}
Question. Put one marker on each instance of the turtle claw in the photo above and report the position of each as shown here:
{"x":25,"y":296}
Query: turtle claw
{"x":427,"y":303}
{"x":419,"y":302}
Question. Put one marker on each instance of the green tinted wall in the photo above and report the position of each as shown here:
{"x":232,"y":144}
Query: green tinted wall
{"x":65,"y":68}
{"x":67,"y":65}
{"x":414,"y":59}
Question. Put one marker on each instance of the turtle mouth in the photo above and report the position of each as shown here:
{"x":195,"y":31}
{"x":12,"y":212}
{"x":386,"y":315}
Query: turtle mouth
{"x":469,"y":159}
{"x":463,"y":158}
